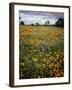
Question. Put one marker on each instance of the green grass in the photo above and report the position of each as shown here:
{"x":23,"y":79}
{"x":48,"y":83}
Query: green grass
{"x":41,"y":52}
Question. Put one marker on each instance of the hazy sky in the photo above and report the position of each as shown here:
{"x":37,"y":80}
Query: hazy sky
{"x":32,"y":17}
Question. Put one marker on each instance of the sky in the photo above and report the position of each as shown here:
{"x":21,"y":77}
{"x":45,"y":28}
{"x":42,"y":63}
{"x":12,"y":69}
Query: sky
{"x":33,"y":17}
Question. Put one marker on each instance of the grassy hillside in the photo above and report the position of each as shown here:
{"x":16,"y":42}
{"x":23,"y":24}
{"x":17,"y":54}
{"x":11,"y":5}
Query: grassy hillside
{"x":41,"y":51}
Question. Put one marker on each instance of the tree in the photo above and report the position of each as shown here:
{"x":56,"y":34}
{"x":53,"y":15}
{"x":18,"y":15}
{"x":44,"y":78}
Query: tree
{"x":47,"y":22}
{"x":21,"y":23}
{"x":32,"y":24}
{"x":37,"y":23}
{"x":60,"y":22}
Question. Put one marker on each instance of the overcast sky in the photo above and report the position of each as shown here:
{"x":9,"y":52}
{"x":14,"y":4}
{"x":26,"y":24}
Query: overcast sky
{"x":32,"y":17}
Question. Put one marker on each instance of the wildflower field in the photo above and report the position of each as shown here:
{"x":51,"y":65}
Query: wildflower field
{"x":41,"y":51}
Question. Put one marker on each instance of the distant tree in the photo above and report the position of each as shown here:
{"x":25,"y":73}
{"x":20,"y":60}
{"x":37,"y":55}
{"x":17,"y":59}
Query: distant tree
{"x":32,"y":24}
{"x":47,"y":22}
{"x":60,"y":22}
{"x":21,"y":23}
{"x":37,"y":24}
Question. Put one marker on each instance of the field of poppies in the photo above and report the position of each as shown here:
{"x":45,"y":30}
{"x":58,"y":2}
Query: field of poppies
{"x":41,"y":52}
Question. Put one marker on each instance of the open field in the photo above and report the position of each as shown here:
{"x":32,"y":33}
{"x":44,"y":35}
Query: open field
{"x":41,"y":52}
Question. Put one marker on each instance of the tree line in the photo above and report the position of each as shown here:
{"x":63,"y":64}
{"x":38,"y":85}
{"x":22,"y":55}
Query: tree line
{"x":58,"y":23}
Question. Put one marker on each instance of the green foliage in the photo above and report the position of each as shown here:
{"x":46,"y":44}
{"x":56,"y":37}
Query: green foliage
{"x":60,"y":22}
{"x":21,"y":23}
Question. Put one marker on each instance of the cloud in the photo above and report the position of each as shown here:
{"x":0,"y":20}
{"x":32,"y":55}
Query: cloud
{"x":32,"y":17}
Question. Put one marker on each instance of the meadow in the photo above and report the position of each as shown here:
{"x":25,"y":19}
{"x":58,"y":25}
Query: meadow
{"x":41,"y":52}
